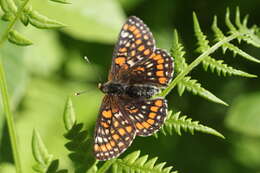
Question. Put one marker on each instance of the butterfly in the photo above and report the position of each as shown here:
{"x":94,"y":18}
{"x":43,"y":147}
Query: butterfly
{"x":138,"y":72}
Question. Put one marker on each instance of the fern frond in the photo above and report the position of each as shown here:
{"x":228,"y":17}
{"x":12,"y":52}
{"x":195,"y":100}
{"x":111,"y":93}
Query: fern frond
{"x":193,"y":86}
{"x":221,"y":68}
{"x":203,"y":43}
{"x":178,"y":53}
{"x":220,"y":36}
{"x":135,"y":164}
{"x":174,"y":123}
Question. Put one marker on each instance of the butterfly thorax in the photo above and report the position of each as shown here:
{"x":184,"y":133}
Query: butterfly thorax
{"x":134,"y":91}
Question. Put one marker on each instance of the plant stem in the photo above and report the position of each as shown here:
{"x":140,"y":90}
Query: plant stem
{"x":11,"y":24}
{"x":4,"y":93}
{"x":197,"y":61}
{"x":9,"y":118}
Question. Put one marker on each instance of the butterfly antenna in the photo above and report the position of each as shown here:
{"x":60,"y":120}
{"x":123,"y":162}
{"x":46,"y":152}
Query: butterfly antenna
{"x":93,"y":69}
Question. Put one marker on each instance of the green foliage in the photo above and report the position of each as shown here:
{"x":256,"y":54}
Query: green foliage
{"x":186,"y":83}
{"x":175,"y":122}
{"x":134,"y":163}
{"x":14,"y":10}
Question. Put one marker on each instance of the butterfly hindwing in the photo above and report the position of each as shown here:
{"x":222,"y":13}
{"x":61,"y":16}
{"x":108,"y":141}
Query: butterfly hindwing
{"x":114,"y":132}
{"x":135,"y":43}
{"x":147,"y":115}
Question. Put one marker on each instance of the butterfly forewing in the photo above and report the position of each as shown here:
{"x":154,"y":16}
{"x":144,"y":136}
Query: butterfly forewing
{"x":156,"y":70}
{"x":114,"y":131}
{"x":135,"y":43}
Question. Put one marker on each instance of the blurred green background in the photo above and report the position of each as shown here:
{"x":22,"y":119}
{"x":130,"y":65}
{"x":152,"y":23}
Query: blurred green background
{"x":41,"y":76}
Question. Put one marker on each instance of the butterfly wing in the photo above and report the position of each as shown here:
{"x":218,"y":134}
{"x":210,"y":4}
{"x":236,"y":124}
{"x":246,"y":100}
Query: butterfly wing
{"x":147,"y":115}
{"x":114,"y":131}
{"x":156,"y":70}
{"x":135,"y":43}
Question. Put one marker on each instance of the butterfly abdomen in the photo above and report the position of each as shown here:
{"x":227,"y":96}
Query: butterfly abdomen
{"x":137,"y":91}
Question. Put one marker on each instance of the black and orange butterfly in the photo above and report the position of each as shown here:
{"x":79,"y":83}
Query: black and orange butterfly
{"x":139,"y":70}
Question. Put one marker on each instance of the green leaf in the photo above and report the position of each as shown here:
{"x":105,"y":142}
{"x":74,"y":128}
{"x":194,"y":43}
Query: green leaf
{"x":243,"y":116}
{"x":221,"y":68}
{"x":18,"y":39}
{"x":175,"y":123}
{"x":134,"y":163}
{"x":193,"y":86}
{"x":203,"y":43}
{"x":40,"y":152}
{"x":69,"y":118}
{"x":8,"y":6}
{"x":40,"y":21}
{"x":178,"y":53}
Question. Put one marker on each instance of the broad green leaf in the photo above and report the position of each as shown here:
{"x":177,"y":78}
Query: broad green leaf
{"x":45,"y":56}
{"x":243,"y":116}
{"x":17,"y":38}
{"x":90,"y":20}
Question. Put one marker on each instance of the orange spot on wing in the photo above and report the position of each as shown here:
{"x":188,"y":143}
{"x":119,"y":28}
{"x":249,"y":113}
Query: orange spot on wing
{"x":146,"y":125}
{"x":133,"y":110}
{"x":125,"y":26}
{"x":136,"y":31}
{"x":96,"y":147}
{"x":107,"y":114}
{"x":139,"y":69}
{"x":103,"y":148}
{"x":121,"y":131}
{"x":147,"y":51}
{"x":120,"y":60}
{"x":132,"y":28}
{"x":139,"y":126}
{"x":112,"y":143}
{"x":158,"y":103}
{"x":150,"y":121}
{"x":141,"y":48}
{"x":123,"y":49}
{"x":129,"y":129}
{"x":156,"y":57}
{"x":159,"y":73}
{"x":108,"y":146}
{"x":152,"y":115}
{"x":160,"y":61}
{"x":138,"y":35}
{"x":160,"y":66}
{"x":154,"y":108}
{"x":162,"y":80}
{"x":104,"y":124}
{"x":115,"y":137}
{"x":138,"y":41}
